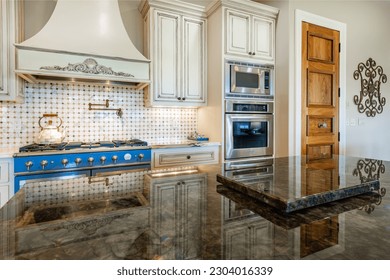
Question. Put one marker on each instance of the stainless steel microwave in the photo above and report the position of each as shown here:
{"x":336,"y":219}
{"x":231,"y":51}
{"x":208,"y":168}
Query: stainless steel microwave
{"x":248,"y":80}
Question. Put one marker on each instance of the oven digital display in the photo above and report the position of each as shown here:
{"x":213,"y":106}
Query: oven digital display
{"x":240,"y":107}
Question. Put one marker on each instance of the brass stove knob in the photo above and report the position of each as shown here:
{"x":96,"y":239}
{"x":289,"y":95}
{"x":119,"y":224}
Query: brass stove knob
{"x":64,"y":162}
{"x":103,"y":159}
{"x":91,"y":160}
{"x":114,"y":158}
{"x":44,"y":163}
{"x":78,"y":161}
{"x":28,"y":164}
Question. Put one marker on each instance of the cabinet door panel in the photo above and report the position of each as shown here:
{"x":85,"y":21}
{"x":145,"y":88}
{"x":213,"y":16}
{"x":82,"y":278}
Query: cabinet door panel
{"x":4,"y":172}
{"x":238,"y":33}
{"x":236,"y":244}
{"x":194,"y":216}
{"x":4,"y":195}
{"x":194,"y":59}
{"x":263,"y":39}
{"x":167,"y":64}
{"x":165,"y":218}
{"x":3,"y":49}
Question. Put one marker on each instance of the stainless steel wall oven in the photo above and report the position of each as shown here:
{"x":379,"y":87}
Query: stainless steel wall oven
{"x":248,"y":129}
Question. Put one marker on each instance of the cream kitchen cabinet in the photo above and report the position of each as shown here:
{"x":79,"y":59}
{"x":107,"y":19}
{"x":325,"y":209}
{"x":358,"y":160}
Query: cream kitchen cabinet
{"x":175,"y":42}
{"x":178,"y":212}
{"x":6,"y":179}
{"x":250,"y":36}
{"x":182,"y":156}
{"x":250,"y":239}
{"x":10,"y":33}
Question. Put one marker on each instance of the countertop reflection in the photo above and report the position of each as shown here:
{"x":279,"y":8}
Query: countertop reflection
{"x":186,"y":214}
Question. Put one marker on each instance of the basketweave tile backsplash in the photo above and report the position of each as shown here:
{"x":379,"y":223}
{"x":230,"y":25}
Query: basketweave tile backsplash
{"x":19,"y":122}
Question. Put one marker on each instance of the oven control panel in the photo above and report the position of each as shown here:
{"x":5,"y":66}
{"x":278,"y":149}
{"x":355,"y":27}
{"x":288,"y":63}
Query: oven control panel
{"x":80,"y":161}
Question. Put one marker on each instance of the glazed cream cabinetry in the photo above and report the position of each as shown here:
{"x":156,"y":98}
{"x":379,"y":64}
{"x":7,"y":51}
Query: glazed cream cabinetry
{"x":175,"y":42}
{"x":184,"y":156}
{"x":6,"y":179}
{"x":250,"y":36}
{"x":178,"y":214}
{"x":10,"y":33}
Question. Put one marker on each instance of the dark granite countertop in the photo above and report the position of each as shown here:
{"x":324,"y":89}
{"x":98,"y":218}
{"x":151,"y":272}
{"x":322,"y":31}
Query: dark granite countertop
{"x":186,"y":214}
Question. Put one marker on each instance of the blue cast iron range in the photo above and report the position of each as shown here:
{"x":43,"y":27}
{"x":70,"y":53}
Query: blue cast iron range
{"x":37,"y":162}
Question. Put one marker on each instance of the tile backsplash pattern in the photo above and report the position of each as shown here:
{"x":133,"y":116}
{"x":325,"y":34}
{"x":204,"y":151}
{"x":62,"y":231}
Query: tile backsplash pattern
{"x":19,"y":122}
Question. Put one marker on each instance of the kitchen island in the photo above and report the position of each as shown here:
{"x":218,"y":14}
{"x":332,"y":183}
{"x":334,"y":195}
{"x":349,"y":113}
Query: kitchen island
{"x":184,"y":213}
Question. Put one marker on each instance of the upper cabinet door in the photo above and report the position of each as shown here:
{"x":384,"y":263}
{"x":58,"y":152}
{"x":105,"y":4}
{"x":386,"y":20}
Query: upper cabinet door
{"x":167,"y":60}
{"x":10,"y":85}
{"x":194,"y":60}
{"x":250,"y":36}
{"x":176,"y":35}
{"x":238,"y":33}
{"x":263,"y":40}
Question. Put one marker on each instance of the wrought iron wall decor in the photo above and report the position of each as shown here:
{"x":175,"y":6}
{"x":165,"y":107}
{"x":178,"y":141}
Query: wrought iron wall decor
{"x":368,"y":169}
{"x":370,"y":100}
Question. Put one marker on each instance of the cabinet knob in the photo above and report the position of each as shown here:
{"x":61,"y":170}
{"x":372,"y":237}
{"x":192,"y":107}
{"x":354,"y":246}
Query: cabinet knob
{"x":179,"y":98}
{"x":250,"y":53}
{"x":188,"y":157}
{"x":183,"y":98}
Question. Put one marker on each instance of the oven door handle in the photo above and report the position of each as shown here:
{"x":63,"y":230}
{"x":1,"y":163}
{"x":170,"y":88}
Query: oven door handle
{"x":252,"y":131}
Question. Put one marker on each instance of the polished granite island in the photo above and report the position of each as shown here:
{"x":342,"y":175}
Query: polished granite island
{"x":185,"y":213}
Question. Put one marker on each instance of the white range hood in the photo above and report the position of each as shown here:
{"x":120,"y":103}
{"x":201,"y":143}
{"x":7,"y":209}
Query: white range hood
{"x":84,"y":40}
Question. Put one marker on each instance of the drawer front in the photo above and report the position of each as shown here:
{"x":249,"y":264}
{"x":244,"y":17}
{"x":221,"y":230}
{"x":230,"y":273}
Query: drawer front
{"x":185,"y":156}
{"x":4,"y":172}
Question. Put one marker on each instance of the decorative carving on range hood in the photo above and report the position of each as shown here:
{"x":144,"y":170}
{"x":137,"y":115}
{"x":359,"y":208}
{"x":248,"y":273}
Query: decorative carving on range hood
{"x":94,"y":49}
{"x":89,"y":66}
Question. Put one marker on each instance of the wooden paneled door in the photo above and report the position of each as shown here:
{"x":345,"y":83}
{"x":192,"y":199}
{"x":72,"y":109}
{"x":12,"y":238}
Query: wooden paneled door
{"x":320,"y":92}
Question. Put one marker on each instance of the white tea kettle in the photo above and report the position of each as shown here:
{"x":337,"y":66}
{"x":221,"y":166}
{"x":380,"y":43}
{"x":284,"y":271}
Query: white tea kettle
{"x":50,"y":134}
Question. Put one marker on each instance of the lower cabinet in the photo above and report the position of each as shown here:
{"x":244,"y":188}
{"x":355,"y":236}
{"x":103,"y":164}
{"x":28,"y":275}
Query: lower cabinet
{"x":6,"y":169}
{"x":178,"y":214}
{"x":246,"y":236}
{"x":170,"y":157}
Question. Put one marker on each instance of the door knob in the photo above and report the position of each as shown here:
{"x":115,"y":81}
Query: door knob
{"x":322,"y":125}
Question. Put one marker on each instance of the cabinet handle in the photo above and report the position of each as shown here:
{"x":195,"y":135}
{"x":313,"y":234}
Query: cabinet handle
{"x":179,"y":98}
{"x":188,"y":157}
{"x":253,"y":53}
{"x":250,"y":53}
{"x":183,"y":98}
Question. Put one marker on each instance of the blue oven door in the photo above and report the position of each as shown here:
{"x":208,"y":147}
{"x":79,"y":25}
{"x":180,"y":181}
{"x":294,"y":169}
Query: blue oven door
{"x":21,"y":180}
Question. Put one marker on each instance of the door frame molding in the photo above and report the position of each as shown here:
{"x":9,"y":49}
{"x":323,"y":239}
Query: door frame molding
{"x":295,"y":99}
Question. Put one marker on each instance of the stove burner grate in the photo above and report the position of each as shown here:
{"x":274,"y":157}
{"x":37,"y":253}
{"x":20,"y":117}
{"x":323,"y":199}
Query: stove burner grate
{"x":43,"y":147}
{"x":131,"y":142}
{"x":90,"y":145}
